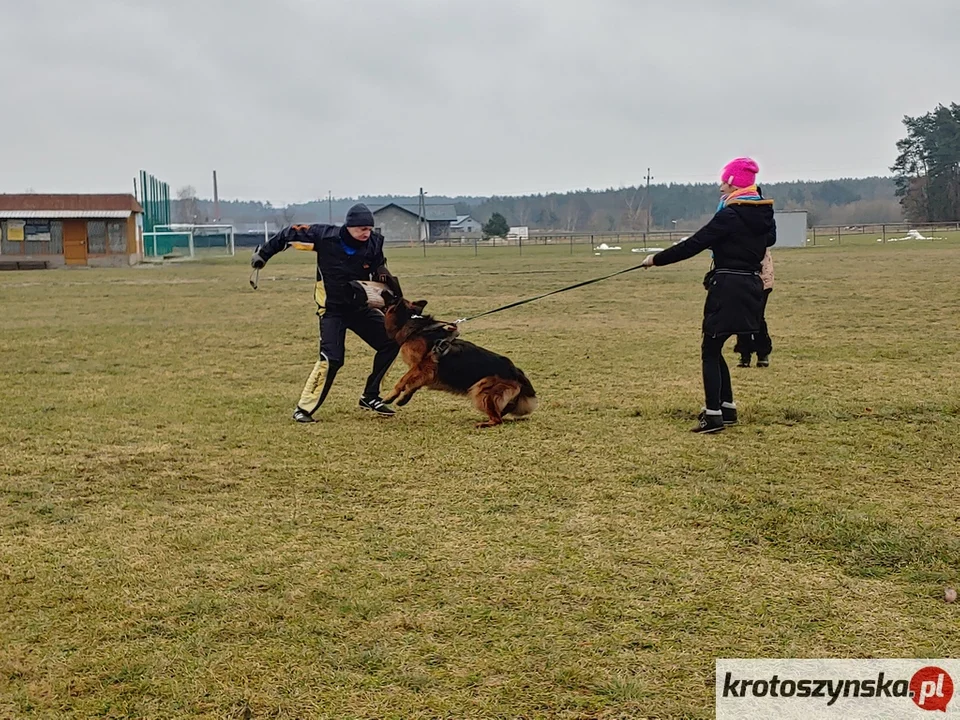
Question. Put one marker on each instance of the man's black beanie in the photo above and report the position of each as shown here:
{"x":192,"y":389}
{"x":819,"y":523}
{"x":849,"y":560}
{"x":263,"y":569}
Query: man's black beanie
{"x":359,"y":216}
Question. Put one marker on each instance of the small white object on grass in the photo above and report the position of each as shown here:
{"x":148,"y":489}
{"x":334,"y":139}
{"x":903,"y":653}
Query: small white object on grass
{"x":950,"y":595}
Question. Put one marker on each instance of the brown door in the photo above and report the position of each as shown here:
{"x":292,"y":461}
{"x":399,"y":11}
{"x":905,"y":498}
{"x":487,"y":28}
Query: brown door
{"x":75,"y":242}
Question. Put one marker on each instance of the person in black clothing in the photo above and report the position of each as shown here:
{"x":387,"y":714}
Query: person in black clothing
{"x":759,"y":343}
{"x":345,"y":253}
{"x":739,"y":235}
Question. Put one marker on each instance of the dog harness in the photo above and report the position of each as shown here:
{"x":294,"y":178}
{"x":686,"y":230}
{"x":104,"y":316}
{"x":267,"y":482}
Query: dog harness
{"x":441,"y":345}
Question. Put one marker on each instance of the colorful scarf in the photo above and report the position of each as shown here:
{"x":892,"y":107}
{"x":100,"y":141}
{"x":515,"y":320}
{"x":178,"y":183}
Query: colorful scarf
{"x":747,"y":193}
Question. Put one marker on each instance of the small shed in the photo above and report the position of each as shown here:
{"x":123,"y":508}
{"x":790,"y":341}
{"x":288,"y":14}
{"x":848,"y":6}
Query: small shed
{"x":791,"y":228}
{"x":57,"y":230}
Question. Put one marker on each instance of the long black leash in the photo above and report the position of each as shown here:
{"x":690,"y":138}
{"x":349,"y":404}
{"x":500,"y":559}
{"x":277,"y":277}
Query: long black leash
{"x":552,"y":292}
{"x":255,"y":277}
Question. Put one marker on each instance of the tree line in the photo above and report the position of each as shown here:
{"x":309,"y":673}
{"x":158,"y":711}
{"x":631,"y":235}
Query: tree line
{"x":676,"y":206}
{"x":924,"y":187}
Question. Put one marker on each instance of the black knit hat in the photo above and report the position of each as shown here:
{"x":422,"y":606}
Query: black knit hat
{"x":359,"y":216}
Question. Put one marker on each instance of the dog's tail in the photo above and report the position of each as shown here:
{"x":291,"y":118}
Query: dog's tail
{"x":526,"y":402}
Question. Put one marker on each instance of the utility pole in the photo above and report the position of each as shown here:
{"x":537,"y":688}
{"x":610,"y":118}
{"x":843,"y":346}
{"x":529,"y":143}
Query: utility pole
{"x":330,"y":205}
{"x":216,"y":198}
{"x":646,"y":200}
{"x":422,"y":212}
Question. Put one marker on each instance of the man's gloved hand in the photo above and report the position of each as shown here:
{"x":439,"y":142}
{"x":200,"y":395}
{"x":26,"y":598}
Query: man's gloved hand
{"x":257,"y":262}
{"x":382,"y":275}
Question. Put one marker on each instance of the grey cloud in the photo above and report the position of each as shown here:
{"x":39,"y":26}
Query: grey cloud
{"x":290,"y":99}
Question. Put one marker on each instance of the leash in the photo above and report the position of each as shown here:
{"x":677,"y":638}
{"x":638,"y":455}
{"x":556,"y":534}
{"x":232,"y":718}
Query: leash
{"x":552,"y":292}
{"x":255,"y":279}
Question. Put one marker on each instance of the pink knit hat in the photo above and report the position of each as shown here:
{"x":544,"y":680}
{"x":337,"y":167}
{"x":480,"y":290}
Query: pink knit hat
{"x":740,"y":173}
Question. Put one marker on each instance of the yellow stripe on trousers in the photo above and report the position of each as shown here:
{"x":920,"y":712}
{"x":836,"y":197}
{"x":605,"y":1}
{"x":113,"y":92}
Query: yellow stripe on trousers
{"x":313,"y":389}
{"x":310,"y":397}
{"x":320,"y":295}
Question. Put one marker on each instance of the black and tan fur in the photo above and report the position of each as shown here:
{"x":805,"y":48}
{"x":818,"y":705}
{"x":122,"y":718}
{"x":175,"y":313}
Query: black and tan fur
{"x":496,"y":386}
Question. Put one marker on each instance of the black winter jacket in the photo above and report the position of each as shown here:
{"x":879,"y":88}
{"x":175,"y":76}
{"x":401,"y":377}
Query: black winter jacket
{"x":739,"y":236}
{"x":340,"y":260}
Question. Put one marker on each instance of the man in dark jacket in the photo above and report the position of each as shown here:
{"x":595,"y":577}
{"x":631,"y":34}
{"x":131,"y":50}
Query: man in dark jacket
{"x":739,"y":235}
{"x":345,"y":253}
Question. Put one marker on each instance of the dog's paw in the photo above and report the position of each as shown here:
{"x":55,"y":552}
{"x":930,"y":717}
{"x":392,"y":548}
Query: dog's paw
{"x":404,"y":400}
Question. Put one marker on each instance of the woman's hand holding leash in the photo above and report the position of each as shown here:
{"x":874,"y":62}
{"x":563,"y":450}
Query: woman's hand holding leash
{"x":647,"y":262}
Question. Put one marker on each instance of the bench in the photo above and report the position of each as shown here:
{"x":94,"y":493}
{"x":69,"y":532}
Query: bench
{"x":24,"y":264}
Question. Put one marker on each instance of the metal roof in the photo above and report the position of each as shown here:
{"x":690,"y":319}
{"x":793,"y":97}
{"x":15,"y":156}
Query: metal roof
{"x":436,"y":213}
{"x":62,"y":214}
{"x":40,"y":201}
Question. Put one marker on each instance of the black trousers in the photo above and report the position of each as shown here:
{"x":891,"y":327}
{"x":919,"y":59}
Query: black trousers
{"x":717,"y":388}
{"x":759,"y":342}
{"x":367,"y":324}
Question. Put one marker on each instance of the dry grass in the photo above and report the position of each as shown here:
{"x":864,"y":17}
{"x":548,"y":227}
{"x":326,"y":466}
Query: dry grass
{"x":173,"y":545}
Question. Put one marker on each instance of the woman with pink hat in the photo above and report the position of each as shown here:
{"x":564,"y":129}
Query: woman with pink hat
{"x":738,"y":236}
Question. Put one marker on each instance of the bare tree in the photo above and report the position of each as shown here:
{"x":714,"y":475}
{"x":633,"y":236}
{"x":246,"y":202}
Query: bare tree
{"x":188,"y":206}
{"x":284,"y":216}
{"x":523,"y":215}
{"x":636,"y":214}
{"x":570,"y":216}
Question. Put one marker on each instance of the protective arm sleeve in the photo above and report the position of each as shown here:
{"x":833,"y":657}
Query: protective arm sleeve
{"x":301,"y":237}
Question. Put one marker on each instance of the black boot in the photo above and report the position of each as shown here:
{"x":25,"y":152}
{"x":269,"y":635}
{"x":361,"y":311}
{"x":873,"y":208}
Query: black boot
{"x":763,"y":361}
{"x":744,"y":360}
{"x":729,"y":414}
{"x":708,"y":423}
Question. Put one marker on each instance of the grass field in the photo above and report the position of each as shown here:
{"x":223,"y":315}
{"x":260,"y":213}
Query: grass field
{"x":173,"y":545}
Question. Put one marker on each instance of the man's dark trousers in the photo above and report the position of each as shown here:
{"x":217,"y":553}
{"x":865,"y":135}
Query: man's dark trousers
{"x":367,"y":324}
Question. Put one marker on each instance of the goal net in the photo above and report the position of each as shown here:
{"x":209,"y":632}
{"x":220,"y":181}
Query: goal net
{"x":185,"y":241}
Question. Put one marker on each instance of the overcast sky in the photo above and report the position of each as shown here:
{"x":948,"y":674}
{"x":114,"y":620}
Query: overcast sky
{"x":288,"y":99}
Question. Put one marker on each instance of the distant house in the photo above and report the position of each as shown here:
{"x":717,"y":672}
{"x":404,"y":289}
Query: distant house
{"x":465,"y":224}
{"x":403,"y":223}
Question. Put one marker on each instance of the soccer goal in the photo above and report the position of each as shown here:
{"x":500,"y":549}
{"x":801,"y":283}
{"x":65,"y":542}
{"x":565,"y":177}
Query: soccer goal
{"x":189,"y":241}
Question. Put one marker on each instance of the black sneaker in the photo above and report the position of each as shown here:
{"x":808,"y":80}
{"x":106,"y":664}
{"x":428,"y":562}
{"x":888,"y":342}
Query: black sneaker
{"x":744,"y":361}
{"x":729,"y":415}
{"x":708,"y":423}
{"x":377,"y":405}
{"x":763,"y":361}
{"x":301,"y":416}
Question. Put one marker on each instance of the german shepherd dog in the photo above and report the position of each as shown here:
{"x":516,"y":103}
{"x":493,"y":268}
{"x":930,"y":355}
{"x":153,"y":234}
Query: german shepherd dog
{"x":437,"y":359}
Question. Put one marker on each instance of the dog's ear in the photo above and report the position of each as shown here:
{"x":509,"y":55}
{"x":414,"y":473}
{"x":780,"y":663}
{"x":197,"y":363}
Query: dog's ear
{"x":389,"y":299}
{"x":420,"y":305}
